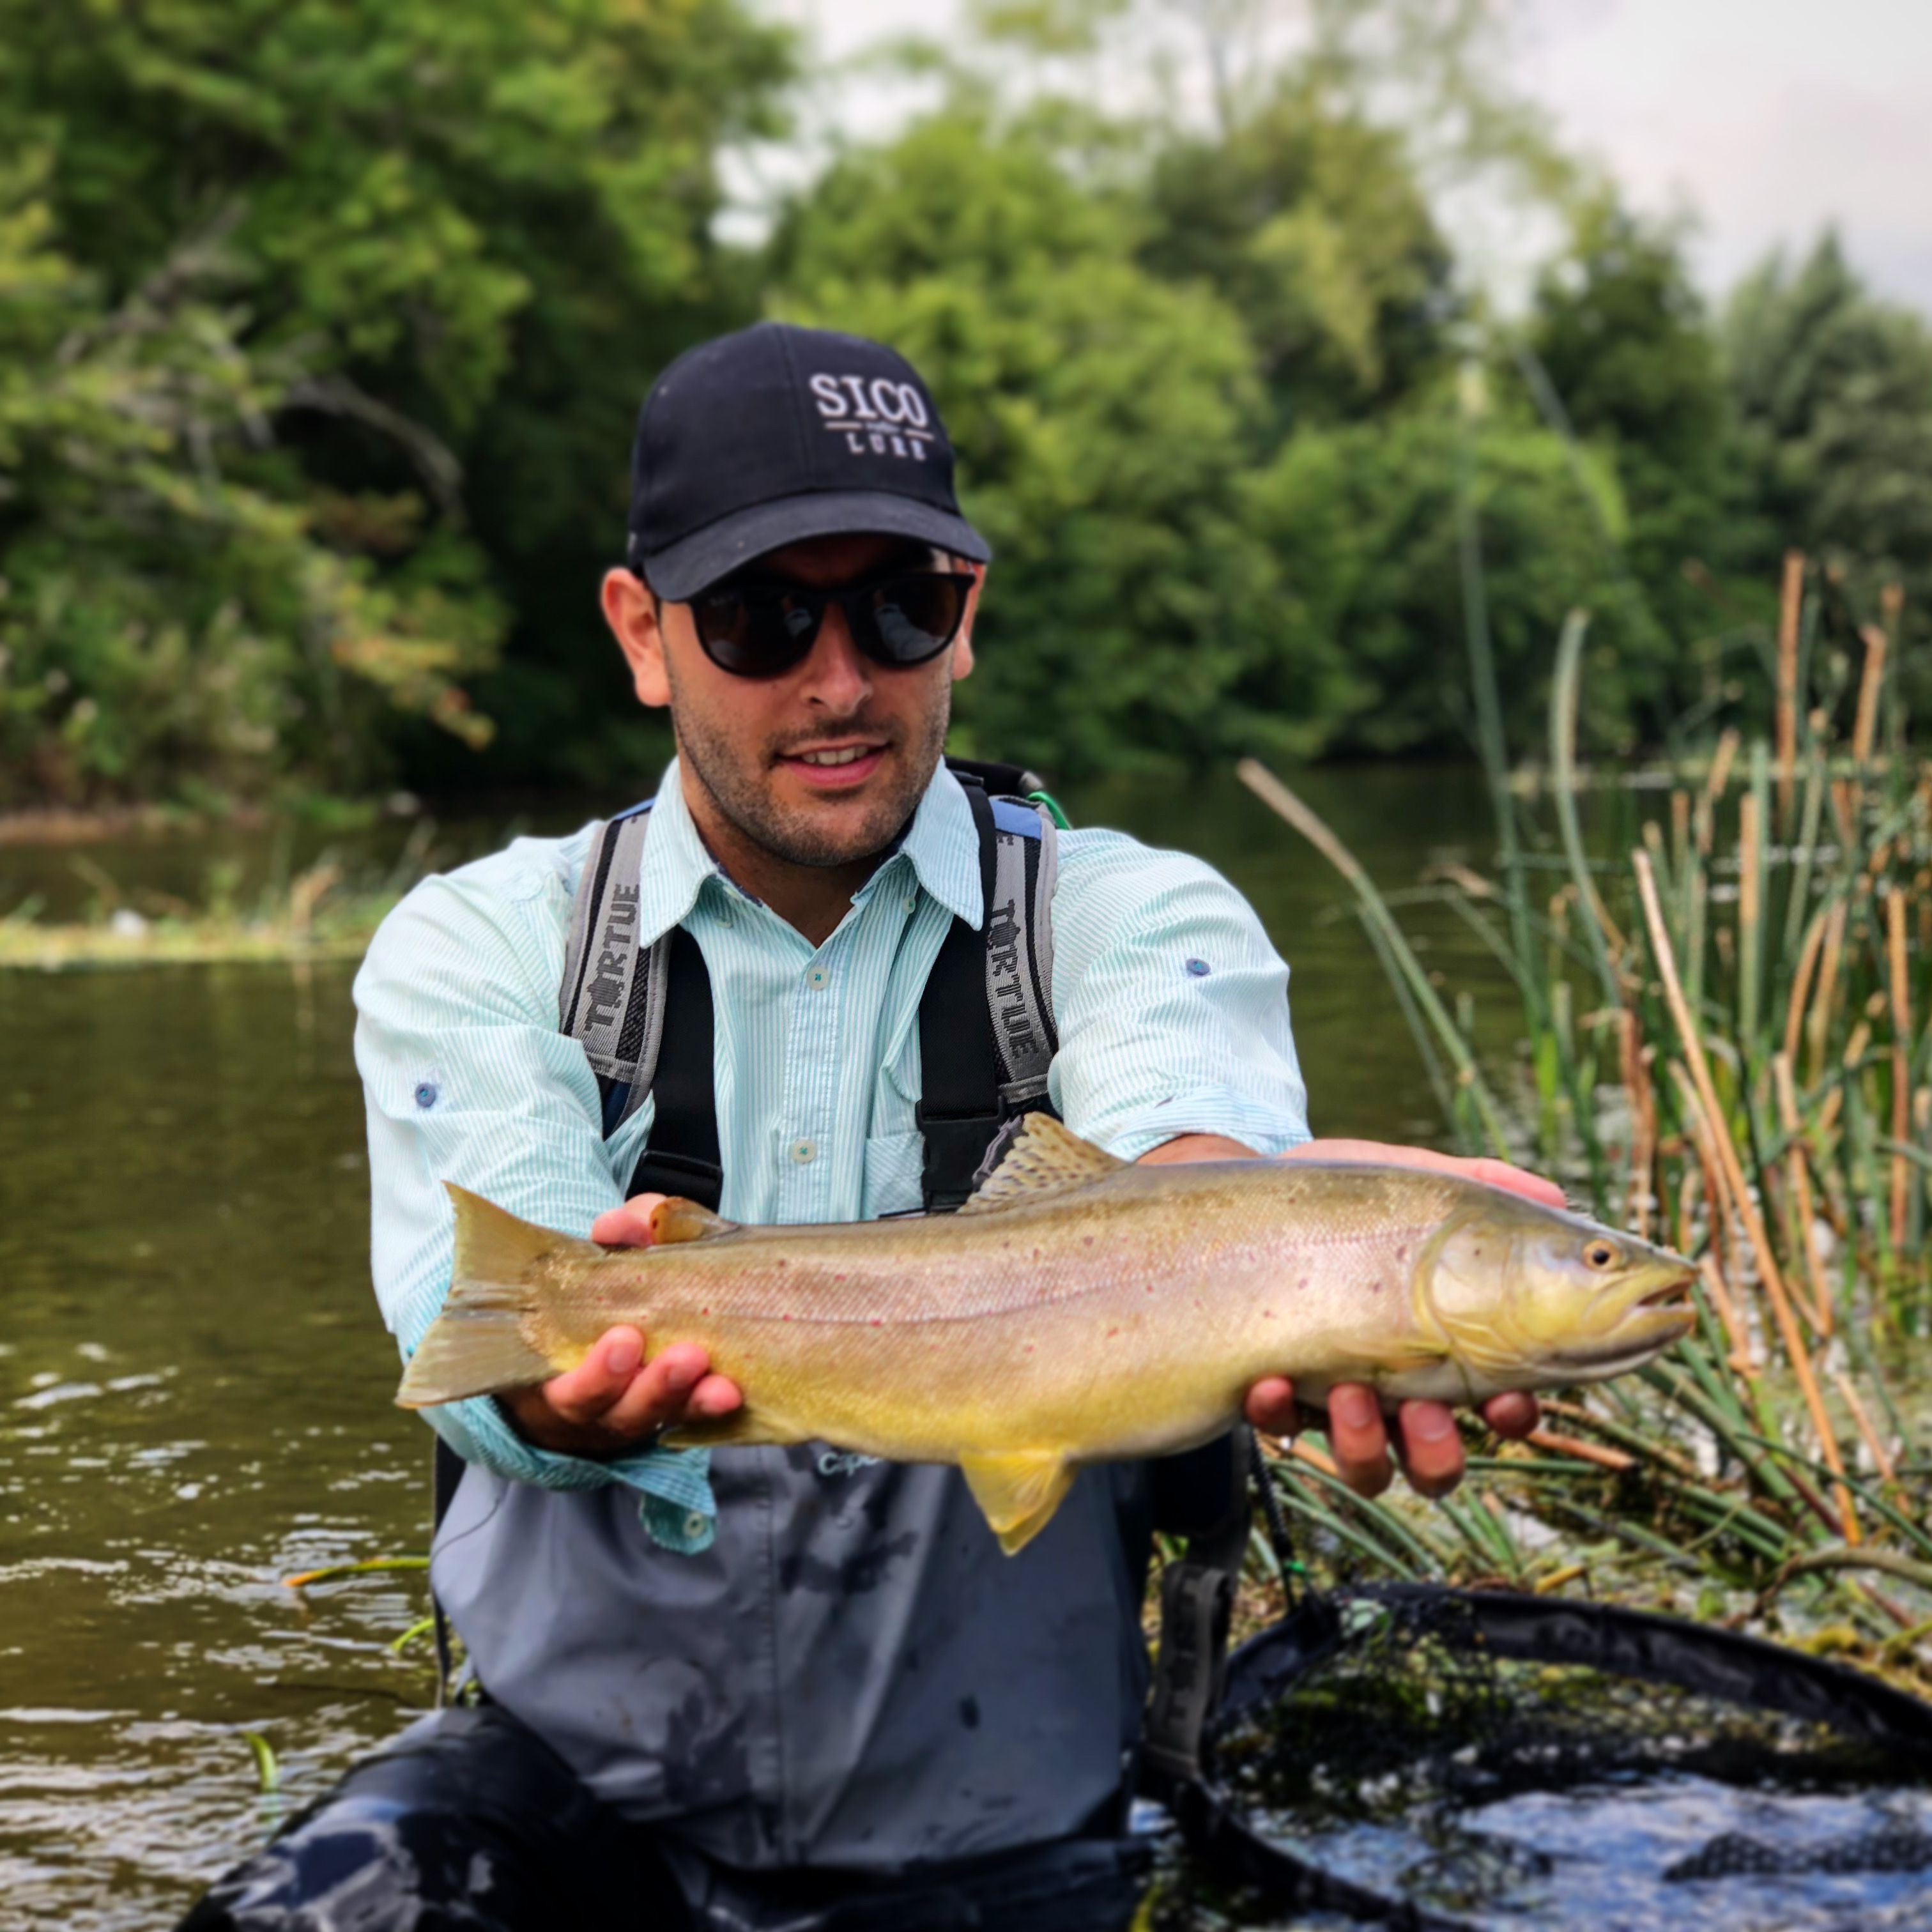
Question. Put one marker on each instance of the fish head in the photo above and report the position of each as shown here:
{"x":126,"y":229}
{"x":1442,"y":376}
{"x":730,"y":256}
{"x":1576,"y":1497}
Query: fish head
{"x":1532,"y":1294}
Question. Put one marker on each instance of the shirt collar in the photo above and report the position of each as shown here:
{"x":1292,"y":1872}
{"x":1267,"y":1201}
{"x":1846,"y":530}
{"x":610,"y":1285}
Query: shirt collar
{"x":940,"y":845}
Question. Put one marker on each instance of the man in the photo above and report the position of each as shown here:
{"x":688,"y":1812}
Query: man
{"x":782,"y":1688}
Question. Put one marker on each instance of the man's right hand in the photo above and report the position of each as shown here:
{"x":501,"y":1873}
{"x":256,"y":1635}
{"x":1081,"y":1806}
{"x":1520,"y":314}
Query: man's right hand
{"x":618,"y":1397}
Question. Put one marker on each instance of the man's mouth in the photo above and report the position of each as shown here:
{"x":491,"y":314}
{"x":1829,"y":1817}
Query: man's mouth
{"x":825,"y":766}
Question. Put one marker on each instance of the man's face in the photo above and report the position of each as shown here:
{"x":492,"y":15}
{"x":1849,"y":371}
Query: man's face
{"x":759,"y":747}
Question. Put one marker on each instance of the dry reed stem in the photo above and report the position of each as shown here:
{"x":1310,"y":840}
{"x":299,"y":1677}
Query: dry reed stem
{"x":1818,"y":1028}
{"x":1798,"y":1167}
{"x":1790,"y":603}
{"x":1636,"y":1075}
{"x":1870,"y":683}
{"x":1887,"y":1468}
{"x":1598,"y":1453}
{"x":1740,"y":1357}
{"x":1768,"y":1271}
{"x":1751,"y":859}
{"x":1721,"y":761}
{"x":1901,"y":1061}
{"x":1801,"y":985}
{"x":1834,"y":1101}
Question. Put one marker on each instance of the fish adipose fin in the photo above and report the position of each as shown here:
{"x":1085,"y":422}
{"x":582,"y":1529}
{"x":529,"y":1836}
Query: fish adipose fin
{"x":477,"y":1345}
{"x":1046,"y":1158}
{"x":1018,"y":1491}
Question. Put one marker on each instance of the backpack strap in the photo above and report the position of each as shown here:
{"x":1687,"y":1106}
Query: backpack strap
{"x":611,"y":999}
{"x":986,"y":1036}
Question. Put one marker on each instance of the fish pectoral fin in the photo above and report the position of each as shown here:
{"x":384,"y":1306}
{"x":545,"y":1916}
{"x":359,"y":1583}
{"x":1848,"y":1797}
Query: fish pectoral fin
{"x":745,"y":1428}
{"x":1046,"y":1158}
{"x":1019,"y":1491}
{"x":675,"y":1219}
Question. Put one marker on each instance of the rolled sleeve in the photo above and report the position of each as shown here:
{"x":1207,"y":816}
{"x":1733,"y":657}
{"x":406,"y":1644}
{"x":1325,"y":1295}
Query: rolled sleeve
{"x":1172,"y":1004}
{"x":467,"y":1078}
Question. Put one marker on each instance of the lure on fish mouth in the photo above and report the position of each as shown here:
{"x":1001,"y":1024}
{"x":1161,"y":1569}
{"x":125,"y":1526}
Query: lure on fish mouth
{"x":1078,"y":1308}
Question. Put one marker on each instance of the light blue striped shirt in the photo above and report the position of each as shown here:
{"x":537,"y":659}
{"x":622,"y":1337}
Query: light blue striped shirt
{"x":1170,"y":1003}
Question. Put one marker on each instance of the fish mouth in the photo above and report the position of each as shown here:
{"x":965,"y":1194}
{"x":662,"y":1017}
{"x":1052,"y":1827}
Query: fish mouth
{"x":1645,"y":1318}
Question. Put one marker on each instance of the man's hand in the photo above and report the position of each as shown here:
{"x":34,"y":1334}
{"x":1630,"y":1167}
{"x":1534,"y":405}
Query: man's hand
{"x":1426,"y":1442}
{"x":616,"y":1399}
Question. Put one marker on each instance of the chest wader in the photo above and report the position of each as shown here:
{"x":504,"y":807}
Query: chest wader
{"x":643,"y":1016}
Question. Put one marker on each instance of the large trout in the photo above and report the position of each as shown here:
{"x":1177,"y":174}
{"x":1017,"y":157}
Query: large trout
{"x":1078,"y":1309}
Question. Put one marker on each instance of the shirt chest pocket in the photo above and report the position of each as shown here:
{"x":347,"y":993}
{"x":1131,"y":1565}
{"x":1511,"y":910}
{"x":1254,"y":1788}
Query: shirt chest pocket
{"x":893,"y":1163}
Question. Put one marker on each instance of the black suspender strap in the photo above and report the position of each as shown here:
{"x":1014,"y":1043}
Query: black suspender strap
{"x":959,"y":1111}
{"x":681,"y":1156}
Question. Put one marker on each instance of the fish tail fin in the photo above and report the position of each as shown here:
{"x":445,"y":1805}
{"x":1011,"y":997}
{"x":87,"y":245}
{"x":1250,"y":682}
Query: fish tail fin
{"x":479,"y":1344}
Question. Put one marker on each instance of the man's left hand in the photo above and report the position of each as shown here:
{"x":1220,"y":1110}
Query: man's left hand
{"x":1425,"y":1441}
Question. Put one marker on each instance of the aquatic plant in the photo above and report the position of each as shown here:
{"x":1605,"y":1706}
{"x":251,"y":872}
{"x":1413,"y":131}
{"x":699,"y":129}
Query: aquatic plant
{"x":1724,"y":993}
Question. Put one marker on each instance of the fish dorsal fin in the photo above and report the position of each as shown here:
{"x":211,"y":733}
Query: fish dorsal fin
{"x":675,"y":1219}
{"x":1046,"y":1158}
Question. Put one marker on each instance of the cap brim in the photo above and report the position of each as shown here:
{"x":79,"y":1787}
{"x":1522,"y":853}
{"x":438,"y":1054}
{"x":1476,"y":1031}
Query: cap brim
{"x":681,"y":570}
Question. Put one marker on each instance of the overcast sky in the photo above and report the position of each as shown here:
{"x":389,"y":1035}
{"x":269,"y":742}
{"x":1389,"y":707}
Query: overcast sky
{"x":1765,"y":118}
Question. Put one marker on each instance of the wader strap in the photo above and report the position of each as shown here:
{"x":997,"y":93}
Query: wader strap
{"x":444,"y":1475}
{"x":681,"y":1156}
{"x":986,"y":1038}
{"x":1197,"y":1602}
{"x":611,"y":1001}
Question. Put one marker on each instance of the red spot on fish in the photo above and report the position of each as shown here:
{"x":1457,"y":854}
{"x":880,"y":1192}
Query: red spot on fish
{"x":1086,"y":1240}
{"x":1035,"y":1254}
{"x":1113,"y":1332}
{"x":785,"y":1318}
{"x":1267,"y":1314}
{"x":1029,"y":1348}
{"x":878,"y":1321}
{"x":1150,"y":1287}
{"x":1402,"y":1253}
{"x":1303,"y":1282}
{"x":704,"y":1311}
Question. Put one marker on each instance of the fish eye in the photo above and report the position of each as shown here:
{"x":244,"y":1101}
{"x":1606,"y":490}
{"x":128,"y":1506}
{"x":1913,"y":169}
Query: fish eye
{"x":1601,"y":1255}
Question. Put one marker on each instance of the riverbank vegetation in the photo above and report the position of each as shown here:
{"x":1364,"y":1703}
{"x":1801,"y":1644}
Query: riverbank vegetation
{"x":324,"y":331}
{"x":1725,"y":1046}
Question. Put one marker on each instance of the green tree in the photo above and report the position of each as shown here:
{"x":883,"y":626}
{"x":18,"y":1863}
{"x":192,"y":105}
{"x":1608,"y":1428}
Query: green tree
{"x":1620,"y":345}
{"x":1104,"y":418}
{"x":464,"y":232}
{"x":1834,"y":391}
{"x":1315,"y":227}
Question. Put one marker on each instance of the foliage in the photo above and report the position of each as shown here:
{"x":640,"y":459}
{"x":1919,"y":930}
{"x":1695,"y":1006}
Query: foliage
{"x":457,"y":240}
{"x":1834,"y":392}
{"x":1105,"y":419}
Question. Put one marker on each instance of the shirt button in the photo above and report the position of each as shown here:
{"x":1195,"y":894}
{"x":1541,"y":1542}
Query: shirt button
{"x":912,"y":901}
{"x":817,"y":976}
{"x":725,"y":917}
{"x":804,"y":1152}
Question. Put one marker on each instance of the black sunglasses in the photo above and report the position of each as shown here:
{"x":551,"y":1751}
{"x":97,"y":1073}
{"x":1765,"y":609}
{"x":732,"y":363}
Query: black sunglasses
{"x":764,"y":629}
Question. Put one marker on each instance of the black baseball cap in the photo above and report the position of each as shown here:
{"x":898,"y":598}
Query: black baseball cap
{"x":759,"y":438}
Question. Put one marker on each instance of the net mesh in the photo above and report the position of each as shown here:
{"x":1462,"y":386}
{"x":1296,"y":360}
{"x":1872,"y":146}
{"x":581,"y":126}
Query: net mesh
{"x":1403,"y":1754}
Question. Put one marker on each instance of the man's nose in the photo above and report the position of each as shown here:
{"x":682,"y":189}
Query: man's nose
{"x":837,"y":676}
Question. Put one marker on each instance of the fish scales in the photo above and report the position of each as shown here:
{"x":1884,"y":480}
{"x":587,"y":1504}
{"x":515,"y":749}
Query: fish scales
{"x":1079,"y":1308}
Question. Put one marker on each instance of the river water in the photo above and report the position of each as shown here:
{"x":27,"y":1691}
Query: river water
{"x":194,"y":1387}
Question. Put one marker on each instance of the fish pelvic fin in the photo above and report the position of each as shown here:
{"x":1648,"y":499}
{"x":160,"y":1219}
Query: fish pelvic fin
{"x":1018,"y":1491}
{"x":1044,"y":1159}
{"x":478,"y":1344}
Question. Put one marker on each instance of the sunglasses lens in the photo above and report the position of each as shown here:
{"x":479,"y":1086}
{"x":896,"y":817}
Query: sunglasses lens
{"x":753,"y":635}
{"x":912,"y":617}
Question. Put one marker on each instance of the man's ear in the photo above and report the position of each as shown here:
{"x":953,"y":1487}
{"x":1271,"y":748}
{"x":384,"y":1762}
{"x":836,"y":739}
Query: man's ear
{"x":962,"y":645}
{"x":636,"y":619}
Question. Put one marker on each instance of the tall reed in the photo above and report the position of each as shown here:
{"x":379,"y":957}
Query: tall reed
{"x":1723,"y":1043}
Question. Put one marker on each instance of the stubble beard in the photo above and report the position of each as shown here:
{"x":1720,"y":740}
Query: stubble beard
{"x":736,"y":779}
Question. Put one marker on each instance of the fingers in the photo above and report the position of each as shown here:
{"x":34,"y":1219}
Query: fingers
{"x":1270,"y":1406}
{"x":1497,"y":1173}
{"x":614,"y":1397}
{"x":1359,"y":1438}
{"x":628,"y":1226}
{"x":1430,"y":1447}
{"x":1518,"y":1180}
{"x":1515,"y":1415}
